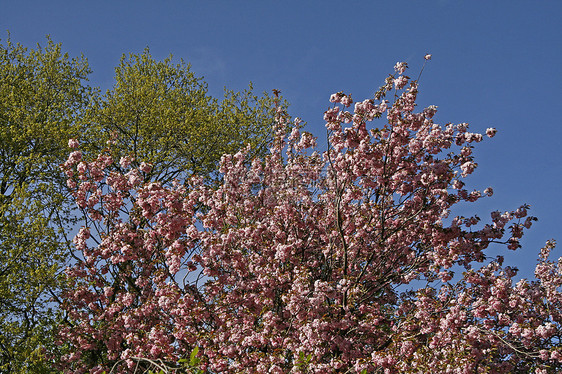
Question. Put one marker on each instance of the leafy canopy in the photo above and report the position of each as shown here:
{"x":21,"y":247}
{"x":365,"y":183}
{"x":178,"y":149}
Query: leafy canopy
{"x":160,"y":112}
{"x":42,"y":93}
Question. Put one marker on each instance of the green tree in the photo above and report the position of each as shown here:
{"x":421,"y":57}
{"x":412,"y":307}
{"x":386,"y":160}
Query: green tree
{"x":42,"y":93}
{"x":160,"y":112}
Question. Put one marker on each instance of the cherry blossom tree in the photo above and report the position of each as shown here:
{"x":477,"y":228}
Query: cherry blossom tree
{"x":345,"y":260}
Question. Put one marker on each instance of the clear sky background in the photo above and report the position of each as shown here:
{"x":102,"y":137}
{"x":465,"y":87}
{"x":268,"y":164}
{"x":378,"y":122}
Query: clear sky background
{"x":495,"y":64}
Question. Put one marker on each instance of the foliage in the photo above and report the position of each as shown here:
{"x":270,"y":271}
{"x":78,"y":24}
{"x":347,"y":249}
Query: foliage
{"x":345,"y":261}
{"x":42,"y":93}
{"x":159,"y":112}
{"x":29,"y":258}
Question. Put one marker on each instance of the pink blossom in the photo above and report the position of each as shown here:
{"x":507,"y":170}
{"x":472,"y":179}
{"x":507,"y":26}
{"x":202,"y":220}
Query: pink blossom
{"x":337,"y":97}
{"x":400,"y":82}
{"x":75,"y":157}
{"x":73,"y":143}
{"x":82,"y":167}
{"x":145,"y":167}
{"x":491,"y":132}
{"x":400,"y":67}
{"x":467,"y":168}
{"x":125,"y":162}
{"x":346,"y":101}
{"x":430,"y":111}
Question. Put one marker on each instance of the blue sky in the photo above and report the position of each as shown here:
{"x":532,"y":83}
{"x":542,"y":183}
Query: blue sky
{"x":495,"y":64}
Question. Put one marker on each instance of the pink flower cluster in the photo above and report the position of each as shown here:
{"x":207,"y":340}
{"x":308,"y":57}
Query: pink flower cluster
{"x":299,"y":262}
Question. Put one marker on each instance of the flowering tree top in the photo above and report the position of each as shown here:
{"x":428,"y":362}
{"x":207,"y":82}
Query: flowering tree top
{"x":299,"y":262}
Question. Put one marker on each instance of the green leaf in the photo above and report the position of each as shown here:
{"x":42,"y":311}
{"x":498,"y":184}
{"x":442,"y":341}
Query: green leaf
{"x":193,"y":359}
{"x":42,"y":93}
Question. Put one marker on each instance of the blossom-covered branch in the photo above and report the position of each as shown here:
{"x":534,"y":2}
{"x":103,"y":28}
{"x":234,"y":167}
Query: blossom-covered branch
{"x":298,"y":262}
